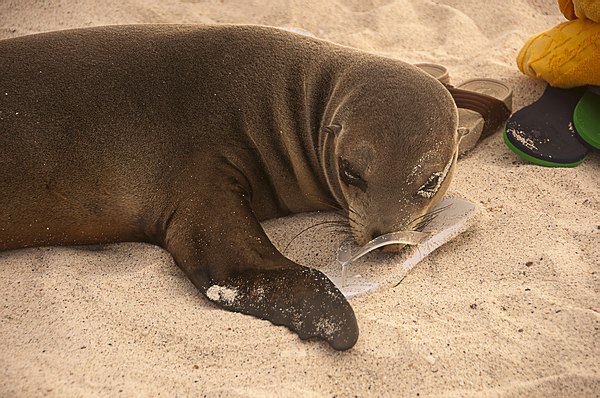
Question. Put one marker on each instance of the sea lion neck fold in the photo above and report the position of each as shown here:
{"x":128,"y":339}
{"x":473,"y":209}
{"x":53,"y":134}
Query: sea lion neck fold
{"x":289,"y":102}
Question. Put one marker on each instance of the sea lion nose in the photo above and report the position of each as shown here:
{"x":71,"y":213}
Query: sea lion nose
{"x":375,"y":233}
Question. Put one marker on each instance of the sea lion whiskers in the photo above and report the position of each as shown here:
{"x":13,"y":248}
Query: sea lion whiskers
{"x":335,"y":225}
{"x":421,"y":222}
{"x":358,"y":227}
{"x":351,"y":220}
{"x":328,"y":203}
{"x":352,"y":211}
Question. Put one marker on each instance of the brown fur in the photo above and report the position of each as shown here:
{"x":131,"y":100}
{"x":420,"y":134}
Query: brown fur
{"x":187,"y":136}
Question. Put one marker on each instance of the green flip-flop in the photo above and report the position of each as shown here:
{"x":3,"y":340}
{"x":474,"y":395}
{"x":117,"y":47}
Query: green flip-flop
{"x":586,"y":117}
{"x":543,"y":132}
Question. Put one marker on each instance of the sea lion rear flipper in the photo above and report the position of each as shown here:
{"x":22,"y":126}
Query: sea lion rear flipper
{"x":231,"y":260}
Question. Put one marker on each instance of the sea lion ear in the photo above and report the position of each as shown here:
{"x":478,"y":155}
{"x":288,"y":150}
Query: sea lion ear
{"x":462,"y":132}
{"x":332,"y":129}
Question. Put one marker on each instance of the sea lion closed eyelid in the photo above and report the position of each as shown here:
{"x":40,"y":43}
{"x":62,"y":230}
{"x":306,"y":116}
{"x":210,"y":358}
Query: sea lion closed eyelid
{"x":435,"y":181}
{"x":430,"y":187}
{"x":349,"y":176}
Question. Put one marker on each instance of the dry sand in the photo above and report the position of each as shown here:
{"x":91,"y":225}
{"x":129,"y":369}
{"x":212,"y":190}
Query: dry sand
{"x":510,"y":308}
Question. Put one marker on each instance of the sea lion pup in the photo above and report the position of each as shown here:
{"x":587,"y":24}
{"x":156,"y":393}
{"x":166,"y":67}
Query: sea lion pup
{"x":187,"y":136}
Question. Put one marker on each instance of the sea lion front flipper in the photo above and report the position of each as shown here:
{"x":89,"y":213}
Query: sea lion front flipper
{"x":301,"y":298}
{"x":231,"y":260}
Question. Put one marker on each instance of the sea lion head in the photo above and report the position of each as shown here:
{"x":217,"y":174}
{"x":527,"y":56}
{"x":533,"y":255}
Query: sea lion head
{"x":390,"y":151}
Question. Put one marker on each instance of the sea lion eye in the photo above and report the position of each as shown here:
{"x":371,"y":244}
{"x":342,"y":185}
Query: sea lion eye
{"x":351,"y":177}
{"x":435,"y":181}
{"x":431,"y":186}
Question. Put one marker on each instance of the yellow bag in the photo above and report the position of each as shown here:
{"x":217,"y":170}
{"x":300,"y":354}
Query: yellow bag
{"x":583,"y":9}
{"x":565,"y":56}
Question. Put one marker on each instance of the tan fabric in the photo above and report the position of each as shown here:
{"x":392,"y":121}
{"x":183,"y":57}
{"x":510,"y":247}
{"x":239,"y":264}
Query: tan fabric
{"x":567,"y":8}
{"x":582,"y":9}
{"x":565,"y":56}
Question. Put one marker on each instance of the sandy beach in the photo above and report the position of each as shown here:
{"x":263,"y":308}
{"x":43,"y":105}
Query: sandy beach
{"x":508,"y":309}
